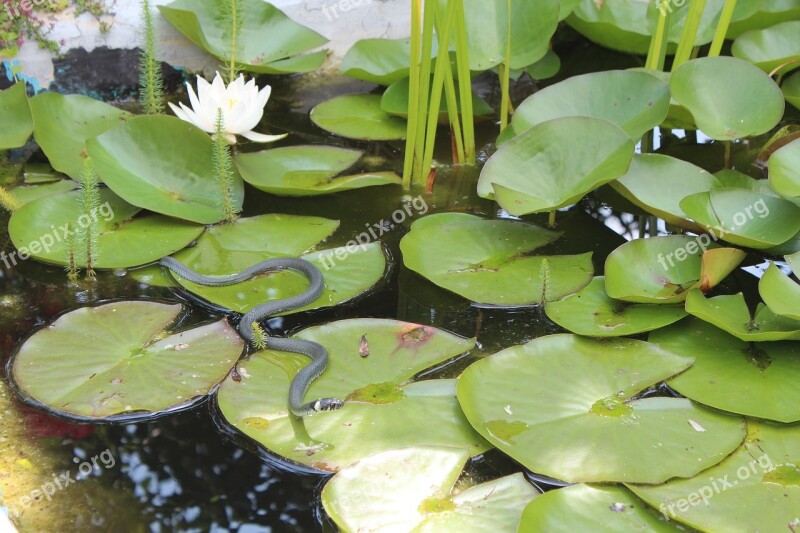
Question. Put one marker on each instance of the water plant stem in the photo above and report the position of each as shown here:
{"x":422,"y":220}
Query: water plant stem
{"x":151,"y":83}
{"x":551,"y":220}
{"x":8,"y":200}
{"x":89,"y":206}
{"x":464,"y":83}
{"x":504,"y":71}
{"x":233,"y":14}
{"x":414,"y":89}
{"x":722,"y":28}
{"x":223,"y":167}
{"x":657,"y":54}
{"x":690,"y":28}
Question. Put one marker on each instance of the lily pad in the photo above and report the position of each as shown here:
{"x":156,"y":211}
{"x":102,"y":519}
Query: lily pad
{"x":411,"y":489}
{"x":63,"y":124}
{"x":123,"y":239}
{"x":770,"y":48}
{"x":307,"y":170}
{"x":395,"y":102}
{"x":358,"y":116}
{"x":26,"y":194}
{"x":743,"y":217}
{"x":781,"y":294}
{"x":657,"y":183}
{"x":381,"y":61}
{"x":592,"y":313}
{"x":555,"y":163}
{"x":233,"y":247}
{"x":764,"y":375}
{"x":733,"y":179}
{"x":791,"y":89}
{"x":117,"y":362}
{"x":784,"y":170}
{"x":163,"y":164}
{"x":730,"y":313}
{"x":17,"y":120}
{"x":490,"y":261}
{"x":596,"y":508}
{"x":384,"y":408}
{"x":635,"y":101}
{"x":546,"y":67}
{"x":755,"y":489}
{"x":729,"y":98}
{"x":563,"y":406}
{"x":206,"y":24}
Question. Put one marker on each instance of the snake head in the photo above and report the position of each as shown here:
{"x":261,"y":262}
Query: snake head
{"x":328,"y":404}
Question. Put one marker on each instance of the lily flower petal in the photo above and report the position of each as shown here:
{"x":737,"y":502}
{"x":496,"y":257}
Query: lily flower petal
{"x":261,"y":138}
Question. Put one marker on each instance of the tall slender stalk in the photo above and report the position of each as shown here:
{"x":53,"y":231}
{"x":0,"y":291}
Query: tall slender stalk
{"x":223,"y":167}
{"x":89,"y":207}
{"x":690,"y":28}
{"x":72,"y":266}
{"x":428,"y":22}
{"x":453,"y":112}
{"x":504,"y":71}
{"x":722,"y":28}
{"x":413,"y":91}
{"x":235,"y":25}
{"x":151,"y":83}
{"x":657,"y":55}
{"x":464,"y":83}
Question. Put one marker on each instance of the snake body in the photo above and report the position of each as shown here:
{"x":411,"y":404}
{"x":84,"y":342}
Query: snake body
{"x":318,"y":354}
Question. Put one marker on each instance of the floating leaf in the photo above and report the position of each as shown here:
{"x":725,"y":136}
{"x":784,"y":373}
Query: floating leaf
{"x":358,"y":116}
{"x":717,"y":264}
{"x":770,"y":48}
{"x":395,"y":102}
{"x":26,"y":194}
{"x":781,"y":294}
{"x":17,"y":120}
{"x":791,"y":89}
{"x":784,"y":170}
{"x":123,"y":239}
{"x":547,"y":67}
{"x":381,"y":61}
{"x":596,"y":508}
{"x":489,"y":261}
{"x":592,"y":313}
{"x":307,"y":170}
{"x":728,"y":98}
{"x":410,"y":489}
{"x":206,"y":23}
{"x":63,"y":124}
{"x":116,"y":362}
{"x":563,"y":406}
{"x":755,"y":489}
{"x":764,"y":375}
{"x":555,"y":163}
{"x":384,"y":409}
{"x":634,"y":101}
{"x":733,"y":179}
{"x":163,"y":164}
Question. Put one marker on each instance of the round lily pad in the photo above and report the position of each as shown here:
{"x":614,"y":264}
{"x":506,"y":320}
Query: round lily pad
{"x":307,"y":170}
{"x":781,"y":294}
{"x":755,"y":489}
{"x":729,"y":98}
{"x":410,"y":489}
{"x":730,"y":313}
{"x":547,"y":67}
{"x":596,"y":508}
{"x":753,"y":379}
{"x":770,"y":48}
{"x":592,"y":313}
{"x":118,"y":362}
{"x":791,"y":89}
{"x":163,"y":164}
{"x":384,"y":408}
{"x":381,"y":61}
{"x":63,"y":124}
{"x":42,"y":228}
{"x":17,"y":121}
{"x":563,"y":406}
{"x":635,"y":101}
{"x":233,"y":247}
{"x":555,"y":163}
{"x":490,"y":261}
{"x":26,"y":194}
{"x":358,"y":116}
{"x":784,"y":170}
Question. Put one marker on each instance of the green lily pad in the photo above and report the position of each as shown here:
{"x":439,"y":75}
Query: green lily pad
{"x":764,"y":375}
{"x":395,"y":102}
{"x":381,"y":61}
{"x":307,"y":170}
{"x":546,"y":67}
{"x":563,"y":406}
{"x":770,"y":48}
{"x":63,"y":124}
{"x":755,"y":489}
{"x":358,"y":116}
{"x":205,"y":23}
{"x":26,"y":194}
{"x":489,"y":261}
{"x":743,"y":217}
{"x":532,"y":173}
{"x":781,"y":294}
{"x":767,"y":13}
{"x":16,"y":113}
{"x":791,"y":89}
{"x":163,"y":164}
{"x":729,"y":98}
{"x":794,"y":262}
{"x":784,"y":170}
{"x":634,"y":101}
{"x":592,"y":313}
{"x":118,"y":362}
{"x":228,"y":249}
{"x":411,"y":489}
{"x":123,"y":239}
{"x":596,"y":508}
{"x":657,"y":183}
{"x":730,"y":313}
{"x":384,"y":409}
{"x":733,"y":179}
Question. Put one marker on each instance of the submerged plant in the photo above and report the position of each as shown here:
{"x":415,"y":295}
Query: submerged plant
{"x":151,"y":83}
{"x":89,"y":206}
{"x":8,"y":200}
{"x":223,"y":167}
{"x":242,"y":106}
{"x":72,"y":267}
{"x":259,"y":336}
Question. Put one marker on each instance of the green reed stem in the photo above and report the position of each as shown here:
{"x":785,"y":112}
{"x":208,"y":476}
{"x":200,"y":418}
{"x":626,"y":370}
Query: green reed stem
{"x":413,"y":92}
{"x":722,"y":28}
{"x":692,"y":24}
{"x":657,"y":55}
{"x":464,"y":83}
{"x":429,"y":19}
{"x":504,"y":71}
{"x":453,"y":111}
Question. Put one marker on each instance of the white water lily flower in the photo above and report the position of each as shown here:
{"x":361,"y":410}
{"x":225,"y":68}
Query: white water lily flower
{"x":242,"y":107}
